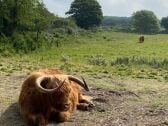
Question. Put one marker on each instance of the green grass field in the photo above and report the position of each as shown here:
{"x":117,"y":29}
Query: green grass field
{"x":114,"y":53}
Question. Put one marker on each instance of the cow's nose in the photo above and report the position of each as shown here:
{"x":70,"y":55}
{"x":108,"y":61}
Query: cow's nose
{"x":66,"y":106}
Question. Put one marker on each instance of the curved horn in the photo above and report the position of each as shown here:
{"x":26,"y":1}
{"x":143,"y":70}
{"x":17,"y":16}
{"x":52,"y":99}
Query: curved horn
{"x":78,"y":81}
{"x":46,"y":79}
{"x":59,"y":87}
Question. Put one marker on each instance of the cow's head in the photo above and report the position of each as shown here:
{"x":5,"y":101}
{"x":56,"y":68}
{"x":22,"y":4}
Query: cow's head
{"x":58,"y":89}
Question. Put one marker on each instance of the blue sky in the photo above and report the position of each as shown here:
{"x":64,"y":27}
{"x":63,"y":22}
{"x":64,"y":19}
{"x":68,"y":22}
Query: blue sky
{"x":114,"y":7}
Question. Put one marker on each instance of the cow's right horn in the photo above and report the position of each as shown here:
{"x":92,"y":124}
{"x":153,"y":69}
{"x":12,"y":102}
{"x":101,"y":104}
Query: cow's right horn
{"x":78,"y":81}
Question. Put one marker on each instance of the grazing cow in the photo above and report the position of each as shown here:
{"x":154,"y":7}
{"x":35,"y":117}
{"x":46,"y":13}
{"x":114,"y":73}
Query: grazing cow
{"x":141,"y":39}
{"x":49,"y":93}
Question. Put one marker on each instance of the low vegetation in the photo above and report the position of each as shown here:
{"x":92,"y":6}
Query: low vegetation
{"x":110,"y":50}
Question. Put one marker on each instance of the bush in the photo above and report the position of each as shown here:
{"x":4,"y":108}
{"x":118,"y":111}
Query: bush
{"x":64,"y":58}
{"x":152,"y":62}
{"x":24,"y":43}
{"x":30,"y":40}
{"x":65,"y":26}
{"x":64,"y":22}
{"x":6,"y":48}
{"x":19,"y":43}
{"x":121,"y":60}
{"x":98,"y":60}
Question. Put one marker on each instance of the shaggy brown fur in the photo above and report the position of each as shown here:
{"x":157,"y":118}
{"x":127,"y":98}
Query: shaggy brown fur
{"x":38,"y":107}
{"x":141,"y":39}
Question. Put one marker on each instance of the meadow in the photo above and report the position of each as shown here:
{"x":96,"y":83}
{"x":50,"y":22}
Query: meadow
{"x":108,"y":60}
{"x":110,"y":52}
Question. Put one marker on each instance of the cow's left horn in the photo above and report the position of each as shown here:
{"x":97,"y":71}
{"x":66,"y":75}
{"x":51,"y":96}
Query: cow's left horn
{"x":78,"y":81}
{"x":48,"y":80}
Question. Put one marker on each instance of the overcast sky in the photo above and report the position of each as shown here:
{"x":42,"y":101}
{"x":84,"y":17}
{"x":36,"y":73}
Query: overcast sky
{"x":114,"y":7}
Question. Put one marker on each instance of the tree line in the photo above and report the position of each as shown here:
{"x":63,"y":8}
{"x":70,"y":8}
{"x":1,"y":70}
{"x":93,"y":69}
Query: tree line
{"x":30,"y":15}
{"x":27,"y":24}
{"x":143,"y":21}
{"x":88,"y":14}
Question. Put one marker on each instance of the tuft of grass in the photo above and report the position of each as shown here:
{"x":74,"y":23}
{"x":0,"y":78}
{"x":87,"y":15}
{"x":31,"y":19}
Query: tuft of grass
{"x":120,"y":60}
{"x":98,"y":60}
{"x":64,"y":58}
{"x":137,"y":60}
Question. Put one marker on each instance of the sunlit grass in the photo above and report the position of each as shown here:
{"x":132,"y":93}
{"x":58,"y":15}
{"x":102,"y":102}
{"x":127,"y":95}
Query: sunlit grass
{"x":83,"y":50}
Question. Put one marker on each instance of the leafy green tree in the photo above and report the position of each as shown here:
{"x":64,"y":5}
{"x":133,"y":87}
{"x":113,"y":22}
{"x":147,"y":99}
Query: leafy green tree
{"x":87,"y":13}
{"x":23,"y":15}
{"x":40,"y":21}
{"x":5,"y":10}
{"x":14,"y":14}
{"x":145,"y":21}
{"x":164,"y":23}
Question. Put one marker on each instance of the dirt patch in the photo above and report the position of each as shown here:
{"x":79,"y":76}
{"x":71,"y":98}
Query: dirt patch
{"x":11,"y":116}
{"x":112,"y":108}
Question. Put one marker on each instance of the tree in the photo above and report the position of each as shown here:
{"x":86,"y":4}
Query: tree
{"x":15,"y":14}
{"x":164,"y":23}
{"x":23,"y":15}
{"x":87,"y":13}
{"x":145,"y":21}
{"x":40,"y":21}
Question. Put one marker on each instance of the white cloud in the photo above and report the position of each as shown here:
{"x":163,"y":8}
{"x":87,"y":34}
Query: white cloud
{"x":115,"y":7}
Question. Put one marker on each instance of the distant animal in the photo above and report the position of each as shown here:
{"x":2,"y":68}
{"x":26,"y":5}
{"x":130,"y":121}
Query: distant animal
{"x":141,"y":39}
{"x":49,"y":93}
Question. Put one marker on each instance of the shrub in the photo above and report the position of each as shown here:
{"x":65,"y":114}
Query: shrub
{"x":19,"y":43}
{"x":30,"y":40}
{"x":6,"y":48}
{"x":65,"y":58}
{"x":65,"y":26}
{"x":24,"y":43}
{"x":98,"y":60}
{"x":152,"y":62}
{"x":121,"y":60}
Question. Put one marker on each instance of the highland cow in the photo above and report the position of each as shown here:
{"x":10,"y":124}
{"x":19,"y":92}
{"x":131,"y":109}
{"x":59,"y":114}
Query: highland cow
{"x":141,"y":39}
{"x":49,"y":93}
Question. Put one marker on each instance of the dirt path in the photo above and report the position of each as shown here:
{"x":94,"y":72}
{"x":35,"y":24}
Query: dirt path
{"x":113,"y":108}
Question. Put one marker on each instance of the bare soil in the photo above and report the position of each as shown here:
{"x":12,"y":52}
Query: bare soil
{"x":112,"y":107}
